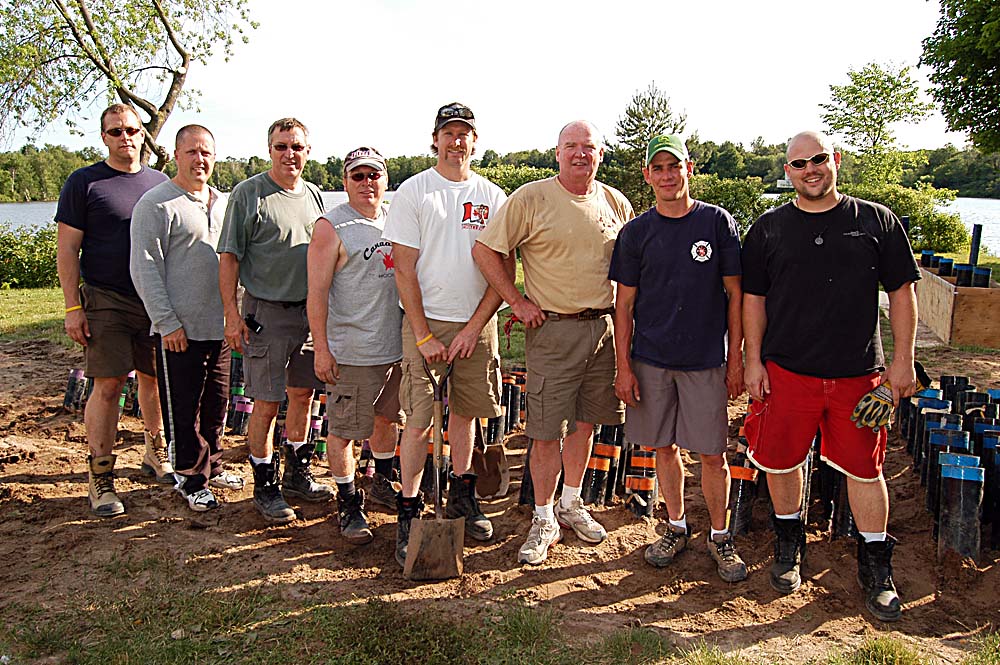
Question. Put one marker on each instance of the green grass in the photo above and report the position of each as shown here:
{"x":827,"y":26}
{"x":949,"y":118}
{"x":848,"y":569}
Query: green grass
{"x":985,"y":261}
{"x":881,"y":651}
{"x":31,"y":314}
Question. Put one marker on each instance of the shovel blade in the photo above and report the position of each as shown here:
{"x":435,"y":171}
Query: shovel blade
{"x":435,"y":549}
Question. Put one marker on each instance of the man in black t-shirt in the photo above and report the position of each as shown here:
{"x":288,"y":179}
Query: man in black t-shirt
{"x":811,"y":274}
{"x":105,"y":314}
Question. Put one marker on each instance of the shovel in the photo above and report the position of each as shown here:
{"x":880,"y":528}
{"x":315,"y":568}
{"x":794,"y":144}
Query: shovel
{"x":435,"y":548}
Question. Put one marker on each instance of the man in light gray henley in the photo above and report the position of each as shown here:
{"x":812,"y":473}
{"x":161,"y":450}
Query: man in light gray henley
{"x":175,"y":229}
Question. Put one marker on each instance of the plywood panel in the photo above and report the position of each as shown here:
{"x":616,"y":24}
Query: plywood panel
{"x":935,"y":303}
{"x":976,"y":317}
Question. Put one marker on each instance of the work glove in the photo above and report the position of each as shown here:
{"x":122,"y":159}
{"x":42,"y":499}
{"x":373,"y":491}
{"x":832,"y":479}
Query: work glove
{"x":875,"y":407}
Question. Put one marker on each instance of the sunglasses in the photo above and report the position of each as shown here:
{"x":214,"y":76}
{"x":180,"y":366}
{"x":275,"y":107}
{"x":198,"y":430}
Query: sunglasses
{"x":456,"y":112}
{"x":373,"y":176}
{"x":118,"y":131}
{"x":282,"y":147}
{"x":799,"y":164}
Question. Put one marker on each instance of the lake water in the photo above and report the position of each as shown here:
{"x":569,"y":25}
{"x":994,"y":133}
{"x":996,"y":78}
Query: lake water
{"x":972,"y":211}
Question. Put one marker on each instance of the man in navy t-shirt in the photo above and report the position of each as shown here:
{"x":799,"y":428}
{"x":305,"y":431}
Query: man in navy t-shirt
{"x":105,"y":314}
{"x":678,"y":272}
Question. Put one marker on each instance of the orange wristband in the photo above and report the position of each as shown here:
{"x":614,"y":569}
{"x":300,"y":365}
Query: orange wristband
{"x":429,"y":337}
{"x":73,"y":308}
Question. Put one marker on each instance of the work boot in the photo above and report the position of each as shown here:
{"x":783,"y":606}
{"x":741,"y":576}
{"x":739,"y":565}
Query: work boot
{"x":101,"y":486}
{"x":155,"y":461}
{"x":267,"y":493}
{"x":404,"y":517}
{"x":298,"y":480}
{"x":789,"y":549}
{"x":382,"y":492}
{"x":578,"y":518}
{"x":353,"y":520}
{"x":462,"y":502}
{"x":729,"y":564}
{"x":875,"y":578}
{"x":663,"y":551}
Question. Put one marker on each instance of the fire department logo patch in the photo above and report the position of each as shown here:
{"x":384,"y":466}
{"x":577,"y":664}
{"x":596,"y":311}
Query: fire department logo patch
{"x":701,"y":251}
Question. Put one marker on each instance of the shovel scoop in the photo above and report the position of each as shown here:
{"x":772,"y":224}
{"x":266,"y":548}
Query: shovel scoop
{"x":435,"y":548}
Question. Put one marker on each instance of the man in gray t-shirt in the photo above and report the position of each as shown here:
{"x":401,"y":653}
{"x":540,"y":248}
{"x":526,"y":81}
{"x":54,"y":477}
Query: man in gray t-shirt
{"x":355,"y":321}
{"x":263,"y":245}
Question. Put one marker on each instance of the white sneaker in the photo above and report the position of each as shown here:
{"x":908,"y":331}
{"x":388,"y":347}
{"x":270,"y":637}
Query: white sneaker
{"x":542,"y":534}
{"x":201,"y":501}
{"x":226,"y":481}
{"x":577,"y":517}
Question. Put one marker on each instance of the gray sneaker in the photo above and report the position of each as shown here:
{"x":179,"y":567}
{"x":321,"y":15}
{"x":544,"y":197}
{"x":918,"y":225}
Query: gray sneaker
{"x":542,"y":534}
{"x":577,"y":517}
{"x":383,"y":492}
{"x":663,"y":551}
{"x":730,"y":566}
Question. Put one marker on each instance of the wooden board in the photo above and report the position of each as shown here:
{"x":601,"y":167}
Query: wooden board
{"x":936,"y":303}
{"x":959,"y":315}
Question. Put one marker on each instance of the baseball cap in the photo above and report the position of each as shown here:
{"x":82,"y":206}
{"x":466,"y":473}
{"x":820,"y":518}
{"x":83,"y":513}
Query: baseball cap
{"x":672,"y":143}
{"x":364,"y":157}
{"x":452,"y":112}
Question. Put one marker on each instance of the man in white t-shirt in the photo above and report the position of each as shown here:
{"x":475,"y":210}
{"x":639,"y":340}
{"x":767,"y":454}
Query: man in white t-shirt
{"x":450,"y":311}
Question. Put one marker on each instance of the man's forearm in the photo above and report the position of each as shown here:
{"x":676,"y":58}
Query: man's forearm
{"x":496,"y":268}
{"x":68,"y":269}
{"x":754,"y":325}
{"x":229,"y":275}
{"x":734,"y":320}
{"x":903,"y":320}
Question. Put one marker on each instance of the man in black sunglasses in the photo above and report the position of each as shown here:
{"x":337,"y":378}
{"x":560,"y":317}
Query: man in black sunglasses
{"x":355,"y":321}
{"x":263,"y":245}
{"x":104,"y":314}
{"x":811,"y":275}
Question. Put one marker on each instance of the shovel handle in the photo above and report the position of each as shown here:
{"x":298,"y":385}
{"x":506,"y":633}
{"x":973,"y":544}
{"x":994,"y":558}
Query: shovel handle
{"x":438,"y":435}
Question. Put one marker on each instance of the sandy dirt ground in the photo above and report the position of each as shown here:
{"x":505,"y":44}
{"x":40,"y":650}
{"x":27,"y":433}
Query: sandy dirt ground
{"x":56,"y":553}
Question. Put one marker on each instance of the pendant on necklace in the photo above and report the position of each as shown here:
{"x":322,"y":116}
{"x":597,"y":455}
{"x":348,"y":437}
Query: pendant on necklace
{"x":818,"y":240}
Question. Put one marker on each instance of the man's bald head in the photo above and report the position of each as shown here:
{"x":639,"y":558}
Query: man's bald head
{"x":812,"y":139}
{"x":582,"y":124}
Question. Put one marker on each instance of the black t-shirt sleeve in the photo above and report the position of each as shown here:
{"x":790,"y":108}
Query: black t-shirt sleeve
{"x":755,"y":278}
{"x":896,"y":264}
{"x":72,"y":207}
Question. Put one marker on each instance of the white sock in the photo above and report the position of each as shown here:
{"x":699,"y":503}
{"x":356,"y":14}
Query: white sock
{"x":791,"y":516}
{"x":715,"y":532}
{"x":545,"y":512}
{"x":569,"y":495}
{"x":682,"y":523}
{"x":261,"y":460}
{"x":873,"y":536}
{"x":296,"y":444}
{"x":343,"y":480}
{"x":388,"y":455}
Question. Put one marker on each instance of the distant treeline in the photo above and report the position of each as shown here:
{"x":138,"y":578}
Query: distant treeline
{"x":37,"y":174}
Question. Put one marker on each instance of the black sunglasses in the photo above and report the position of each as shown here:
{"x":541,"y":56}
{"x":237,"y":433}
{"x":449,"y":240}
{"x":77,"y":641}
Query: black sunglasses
{"x":799,"y":164}
{"x":358,"y":177}
{"x":456,"y":112}
{"x":282,"y":147}
{"x":118,"y":131}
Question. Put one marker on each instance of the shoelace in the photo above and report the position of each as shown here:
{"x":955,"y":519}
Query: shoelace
{"x":535,"y":534}
{"x":104,"y":482}
{"x":726,"y":549}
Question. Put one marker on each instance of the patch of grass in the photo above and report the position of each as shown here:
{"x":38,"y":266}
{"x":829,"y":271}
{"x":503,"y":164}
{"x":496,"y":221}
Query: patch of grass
{"x":881,"y":650}
{"x":987,"y":653}
{"x":32,"y":314}
{"x":634,"y":646}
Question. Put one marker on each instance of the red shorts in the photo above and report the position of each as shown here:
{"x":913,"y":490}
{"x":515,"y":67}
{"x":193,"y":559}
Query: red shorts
{"x":780,"y":429}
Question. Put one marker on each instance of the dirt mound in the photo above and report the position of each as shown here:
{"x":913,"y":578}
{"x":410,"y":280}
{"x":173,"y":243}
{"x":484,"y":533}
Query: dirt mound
{"x":57,"y":553}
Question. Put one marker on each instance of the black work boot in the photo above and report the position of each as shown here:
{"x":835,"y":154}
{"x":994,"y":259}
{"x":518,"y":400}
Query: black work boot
{"x":875,"y":578}
{"x":267,"y":493}
{"x":462,"y":502}
{"x":789,"y":550}
{"x":353,"y":520}
{"x":298,"y":480}
{"x":404,"y":514}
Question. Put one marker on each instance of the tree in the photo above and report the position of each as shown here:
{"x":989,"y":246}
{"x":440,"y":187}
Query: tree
{"x":864,"y":111}
{"x":62,"y":56}
{"x":963,"y":52}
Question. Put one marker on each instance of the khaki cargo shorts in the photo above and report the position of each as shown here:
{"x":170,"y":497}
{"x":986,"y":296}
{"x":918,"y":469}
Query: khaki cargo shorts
{"x":361,"y":394}
{"x":474,"y":384}
{"x":571,"y":377}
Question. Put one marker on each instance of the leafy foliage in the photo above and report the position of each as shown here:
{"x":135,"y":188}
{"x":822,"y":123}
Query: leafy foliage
{"x":963,"y":52}
{"x":929,"y":227}
{"x":509,"y":177}
{"x":61,"y":57}
{"x":744,"y":199}
{"x":31,"y":174}
{"x":27,"y":256}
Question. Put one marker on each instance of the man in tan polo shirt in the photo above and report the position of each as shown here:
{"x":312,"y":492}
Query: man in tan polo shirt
{"x":565,"y":228}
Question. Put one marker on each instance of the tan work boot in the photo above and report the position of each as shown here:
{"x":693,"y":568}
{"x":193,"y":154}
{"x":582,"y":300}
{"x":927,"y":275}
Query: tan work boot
{"x":155,"y":461}
{"x":103,"y":500}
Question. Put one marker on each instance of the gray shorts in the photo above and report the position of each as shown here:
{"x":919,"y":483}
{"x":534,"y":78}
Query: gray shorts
{"x":281,"y":355}
{"x":686,"y":408}
{"x":361,"y":394}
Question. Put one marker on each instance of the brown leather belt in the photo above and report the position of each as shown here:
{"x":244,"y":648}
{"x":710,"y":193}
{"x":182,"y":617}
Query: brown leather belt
{"x":585,"y":315}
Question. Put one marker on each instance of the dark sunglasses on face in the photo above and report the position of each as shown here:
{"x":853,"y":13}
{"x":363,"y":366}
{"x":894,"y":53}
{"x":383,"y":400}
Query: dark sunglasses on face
{"x":373,"y":176}
{"x":456,"y":112}
{"x":799,"y":164}
{"x":282,"y":147}
{"x":118,"y":131}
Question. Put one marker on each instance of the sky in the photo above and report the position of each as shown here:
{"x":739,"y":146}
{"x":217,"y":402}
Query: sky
{"x":375,"y":72}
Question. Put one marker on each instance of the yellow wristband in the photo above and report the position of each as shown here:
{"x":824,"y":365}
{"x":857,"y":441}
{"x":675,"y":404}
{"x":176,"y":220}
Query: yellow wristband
{"x":429,"y":337}
{"x":73,"y":308}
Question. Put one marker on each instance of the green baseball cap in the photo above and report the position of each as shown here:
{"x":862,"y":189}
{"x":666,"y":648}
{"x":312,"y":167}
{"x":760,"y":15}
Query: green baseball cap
{"x":672,"y":143}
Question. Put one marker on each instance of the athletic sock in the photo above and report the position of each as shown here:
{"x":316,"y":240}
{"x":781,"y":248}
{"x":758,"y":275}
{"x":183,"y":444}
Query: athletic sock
{"x":723,"y":532}
{"x":383,"y":463}
{"x":791,"y":516}
{"x":569,"y":495}
{"x":261,"y":460}
{"x":682,"y":523}
{"x":345,"y":486}
{"x":296,"y":444}
{"x":545,"y":512}
{"x":873,"y":536}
